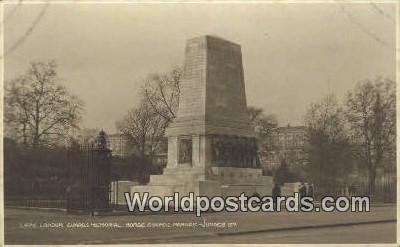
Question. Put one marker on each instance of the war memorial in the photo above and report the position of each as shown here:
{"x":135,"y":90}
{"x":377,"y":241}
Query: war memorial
{"x":280,"y":130}
{"x":212,"y":149}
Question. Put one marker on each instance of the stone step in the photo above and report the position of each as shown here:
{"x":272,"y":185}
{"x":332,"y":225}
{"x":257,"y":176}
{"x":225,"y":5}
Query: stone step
{"x":183,"y":170}
{"x":175,"y":179}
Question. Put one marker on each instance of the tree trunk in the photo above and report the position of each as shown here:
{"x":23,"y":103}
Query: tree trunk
{"x":24,"y":135}
{"x":36,"y":132}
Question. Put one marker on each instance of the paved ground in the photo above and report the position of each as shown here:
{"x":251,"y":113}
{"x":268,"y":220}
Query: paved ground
{"x":29,"y":227}
{"x":361,"y":234}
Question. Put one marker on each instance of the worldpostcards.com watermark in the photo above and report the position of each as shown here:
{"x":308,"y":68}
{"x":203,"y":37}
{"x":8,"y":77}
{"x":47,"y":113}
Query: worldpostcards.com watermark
{"x":243,"y":203}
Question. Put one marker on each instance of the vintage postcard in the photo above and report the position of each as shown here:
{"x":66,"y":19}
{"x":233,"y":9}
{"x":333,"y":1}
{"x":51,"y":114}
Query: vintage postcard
{"x":203,"y":122}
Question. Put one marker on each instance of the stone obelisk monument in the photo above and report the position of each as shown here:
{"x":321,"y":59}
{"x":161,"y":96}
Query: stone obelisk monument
{"x":211,"y":144}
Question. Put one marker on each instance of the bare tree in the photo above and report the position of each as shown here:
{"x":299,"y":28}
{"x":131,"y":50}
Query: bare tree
{"x":371,"y":113}
{"x":255,"y":113}
{"x":327,"y":145}
{"x":145,"y":124}
{"x":38,"y":108}
{"x":144,"y":128}
{"x":162,"y":91}
{"x":265,"y":125}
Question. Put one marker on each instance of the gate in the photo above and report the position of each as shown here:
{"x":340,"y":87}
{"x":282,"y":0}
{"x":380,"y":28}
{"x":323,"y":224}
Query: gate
{"x":89,"y":176}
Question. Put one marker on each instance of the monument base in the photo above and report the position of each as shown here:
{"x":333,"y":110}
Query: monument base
{"x":224,"y":181}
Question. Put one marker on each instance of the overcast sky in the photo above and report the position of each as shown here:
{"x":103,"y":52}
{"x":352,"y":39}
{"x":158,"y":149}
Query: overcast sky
{"x":292,"y":53}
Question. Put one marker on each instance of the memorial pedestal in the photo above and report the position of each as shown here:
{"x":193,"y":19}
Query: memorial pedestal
{"x":212,"y":150}
{"x":223,"y":181}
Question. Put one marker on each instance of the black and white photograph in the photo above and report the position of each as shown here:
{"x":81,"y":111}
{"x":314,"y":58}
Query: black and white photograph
{"x":199,"y":122}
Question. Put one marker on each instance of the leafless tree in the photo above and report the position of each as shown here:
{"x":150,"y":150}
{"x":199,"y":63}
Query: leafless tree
{"x":38,"y":108}
{"x":327,"y":144}
{"x":371,"y":113}
{"x":144,"y":128}
{"x":161,"y":91}
{"x":265,"y":126}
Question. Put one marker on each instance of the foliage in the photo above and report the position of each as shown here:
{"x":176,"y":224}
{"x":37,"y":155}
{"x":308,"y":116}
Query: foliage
{"x":134,"y":167}
{"x":38,"y":172}
{"x":283,"y":174}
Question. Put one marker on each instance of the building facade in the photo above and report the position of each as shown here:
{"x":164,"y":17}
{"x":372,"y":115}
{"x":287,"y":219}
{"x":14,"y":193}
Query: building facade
{"x":118,"y":144}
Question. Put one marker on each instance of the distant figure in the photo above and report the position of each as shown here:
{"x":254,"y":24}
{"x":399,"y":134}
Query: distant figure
{"x":276,"y":191}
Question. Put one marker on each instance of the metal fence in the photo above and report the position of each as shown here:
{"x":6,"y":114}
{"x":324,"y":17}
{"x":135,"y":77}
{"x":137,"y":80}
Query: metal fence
{"x":89,"y":177}
{"x":32,"y":202}
{"x":384,"y":192}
